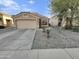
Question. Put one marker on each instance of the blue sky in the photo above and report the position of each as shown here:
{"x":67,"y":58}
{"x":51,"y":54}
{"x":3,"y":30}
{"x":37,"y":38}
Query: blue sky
{"x":16,"y":6}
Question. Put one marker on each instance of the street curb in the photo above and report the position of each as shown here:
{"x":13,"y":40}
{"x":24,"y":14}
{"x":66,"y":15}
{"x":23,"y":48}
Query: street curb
{"x":33,"y":39}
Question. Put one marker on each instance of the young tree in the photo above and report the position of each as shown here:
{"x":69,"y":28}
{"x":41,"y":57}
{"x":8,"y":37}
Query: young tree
{"x":65,"y":9}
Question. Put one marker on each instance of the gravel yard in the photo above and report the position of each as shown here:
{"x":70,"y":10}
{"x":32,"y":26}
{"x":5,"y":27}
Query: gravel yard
{"x":58,"y":39}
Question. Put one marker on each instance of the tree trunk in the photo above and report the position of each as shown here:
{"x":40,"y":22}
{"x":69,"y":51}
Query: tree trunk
{"x":67,"y":23}
{"x":71,"y":19}
{"x":70,"y":25}
{"x":59,"y":22}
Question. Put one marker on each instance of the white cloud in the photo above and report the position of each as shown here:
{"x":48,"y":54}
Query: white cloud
{"x":26,"y":9}
{"x":8,"y":10}
{"x":31,"y":2}
{"x":9,"y":4}
{"x":11,"y":11}
{"x":11,"y":7}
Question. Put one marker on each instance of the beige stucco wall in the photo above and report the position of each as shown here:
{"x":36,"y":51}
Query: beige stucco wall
{"x":4,"y":17}
{"x":7,"y":17}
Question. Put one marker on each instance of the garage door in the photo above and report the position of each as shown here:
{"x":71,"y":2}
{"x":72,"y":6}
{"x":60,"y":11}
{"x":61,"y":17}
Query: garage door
{"x":26,"y":24}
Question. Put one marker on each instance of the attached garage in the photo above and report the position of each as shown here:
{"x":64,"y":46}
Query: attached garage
{"x":26,"y":20}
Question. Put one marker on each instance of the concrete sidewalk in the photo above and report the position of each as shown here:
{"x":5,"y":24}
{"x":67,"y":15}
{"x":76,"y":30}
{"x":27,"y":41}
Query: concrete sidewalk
{"x":41,"y":54}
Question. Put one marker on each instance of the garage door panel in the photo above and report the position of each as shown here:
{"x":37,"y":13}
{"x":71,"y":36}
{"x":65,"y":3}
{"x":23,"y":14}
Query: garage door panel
{"x":26,"y":24}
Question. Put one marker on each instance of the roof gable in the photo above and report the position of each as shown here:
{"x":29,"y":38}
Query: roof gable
{"x":31,"y":15}
{"x":25,"y":15}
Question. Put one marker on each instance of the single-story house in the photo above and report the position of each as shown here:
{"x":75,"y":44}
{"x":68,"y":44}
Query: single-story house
{"x":26,"y":20}
{"x":54,"y":22}
{"x":6,"y":20}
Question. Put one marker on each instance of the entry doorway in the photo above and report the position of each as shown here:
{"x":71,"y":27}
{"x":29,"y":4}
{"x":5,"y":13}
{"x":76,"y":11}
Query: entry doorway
{"x":1,"y":22}
{"x":8,"y":22}
{"x":39,"y":23}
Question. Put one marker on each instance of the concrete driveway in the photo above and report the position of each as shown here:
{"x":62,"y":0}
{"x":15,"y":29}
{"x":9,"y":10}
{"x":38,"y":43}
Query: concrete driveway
{"x":17,"y":39}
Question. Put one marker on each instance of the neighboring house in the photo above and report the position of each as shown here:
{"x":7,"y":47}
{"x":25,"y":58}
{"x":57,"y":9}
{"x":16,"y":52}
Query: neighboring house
{"x":54,"y":22}
{"x":26,"y":20}
{"x":6,"y":20}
